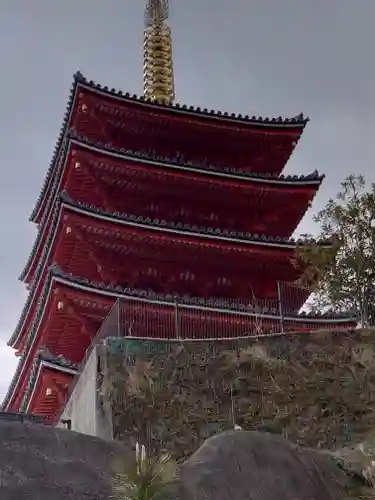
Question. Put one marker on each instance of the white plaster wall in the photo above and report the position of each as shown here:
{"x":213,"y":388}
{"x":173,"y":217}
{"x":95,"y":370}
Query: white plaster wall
{"x":83,"y":408}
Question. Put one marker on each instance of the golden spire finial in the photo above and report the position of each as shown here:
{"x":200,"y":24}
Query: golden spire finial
{"x":156,"y":12}
{"x":158,"y":62}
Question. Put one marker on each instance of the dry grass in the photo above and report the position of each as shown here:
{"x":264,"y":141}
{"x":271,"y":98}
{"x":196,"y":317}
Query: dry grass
{"x":317,"y":390}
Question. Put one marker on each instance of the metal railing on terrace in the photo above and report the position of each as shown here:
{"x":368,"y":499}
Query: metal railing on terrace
{"x":217,"y":319}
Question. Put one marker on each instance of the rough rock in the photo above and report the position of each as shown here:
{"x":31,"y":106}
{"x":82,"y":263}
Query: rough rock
{"x":260,"y":466}
{"x":41,"y":463}
{"x":38,"y":462}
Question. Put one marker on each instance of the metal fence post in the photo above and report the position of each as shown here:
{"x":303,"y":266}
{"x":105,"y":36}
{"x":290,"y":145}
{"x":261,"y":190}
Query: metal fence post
{"x":119,"y":332}
{"x":280,"y":307}
{"x":177,"y":321}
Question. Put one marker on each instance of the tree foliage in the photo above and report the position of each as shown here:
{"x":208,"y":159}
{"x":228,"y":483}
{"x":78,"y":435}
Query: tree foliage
{"x":342,"y":275}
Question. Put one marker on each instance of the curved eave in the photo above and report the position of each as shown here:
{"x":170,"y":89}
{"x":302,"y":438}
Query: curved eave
{"x":263,"y":180}
{"x":81,"y":285}
{"x":297,"y":123}
{"x":216,"y":235}
{"x":58,"y":145}
{"x":160,"y":299}
{"x":41,"y":366}
{"x":51,"y":204}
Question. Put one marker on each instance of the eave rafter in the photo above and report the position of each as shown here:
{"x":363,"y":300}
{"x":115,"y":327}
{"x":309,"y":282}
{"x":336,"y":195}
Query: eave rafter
{"x":121,"y":108}
{"x":158,"y":227}
{"x":61,"y":308}
{"x":131,"y":187}
{"x":137,"y":178}
{"x":100,"y":186}
{"x":71,"y":311}
{"x":131,"y":247}
{"x":60,"y":389}
{"x":87,"y":115}
{"x":99,"y":258}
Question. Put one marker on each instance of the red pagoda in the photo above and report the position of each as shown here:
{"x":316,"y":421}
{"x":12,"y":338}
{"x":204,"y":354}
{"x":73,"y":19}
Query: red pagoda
{"x":148,"y":198}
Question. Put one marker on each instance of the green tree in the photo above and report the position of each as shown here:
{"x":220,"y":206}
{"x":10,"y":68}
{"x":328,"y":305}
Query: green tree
{"x":342,"y":275}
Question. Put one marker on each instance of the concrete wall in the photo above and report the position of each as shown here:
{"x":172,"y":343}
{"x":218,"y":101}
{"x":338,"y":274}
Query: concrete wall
{"x":85,"y":409}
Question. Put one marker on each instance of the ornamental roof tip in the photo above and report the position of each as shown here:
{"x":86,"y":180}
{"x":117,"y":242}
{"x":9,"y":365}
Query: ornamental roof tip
{"x":56,"y":270}
{"x":66,"y":198}
{"x":43,"y":355}
{"x":301,"y":241}
{"x":179,"y":160}
{"x":46,"y":355}
{"x":298,"y":119}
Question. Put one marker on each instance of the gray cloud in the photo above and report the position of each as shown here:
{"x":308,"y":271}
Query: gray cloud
{"x":264,"y":57}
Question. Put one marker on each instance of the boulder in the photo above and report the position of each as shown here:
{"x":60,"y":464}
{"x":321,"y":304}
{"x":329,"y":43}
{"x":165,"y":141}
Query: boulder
{"x":38,"y":462}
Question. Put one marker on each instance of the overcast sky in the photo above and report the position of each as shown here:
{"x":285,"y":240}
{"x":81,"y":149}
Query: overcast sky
{"x":262,"y":57}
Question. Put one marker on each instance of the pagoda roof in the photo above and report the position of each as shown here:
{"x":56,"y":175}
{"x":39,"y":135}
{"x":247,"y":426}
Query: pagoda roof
{"x":156,"y":226}
{"x":46,"y":359}
{"x":178,"y":163}
{"x":293,"y":122}
{"x":56,"y":274}
{"x":313,"y":179}
{"x":209,"y":304}
{"x":263,"y":181}
{"x":169,"y":227}
{"x":58,"y":277}
{"x":80,"y":82}
{"x":172,"y":227}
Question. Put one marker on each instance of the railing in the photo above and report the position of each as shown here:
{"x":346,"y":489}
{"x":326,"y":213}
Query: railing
{"x":221,"y":318}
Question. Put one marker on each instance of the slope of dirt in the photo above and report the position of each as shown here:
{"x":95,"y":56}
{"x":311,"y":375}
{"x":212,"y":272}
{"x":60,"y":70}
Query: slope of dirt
{"x":316,"y":390}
